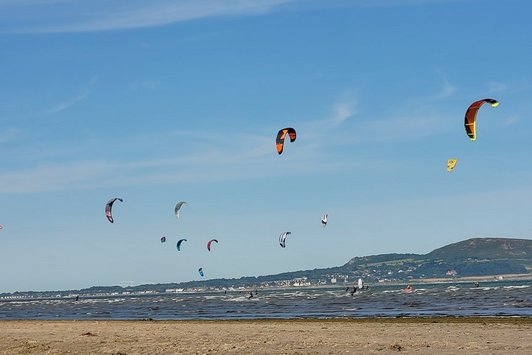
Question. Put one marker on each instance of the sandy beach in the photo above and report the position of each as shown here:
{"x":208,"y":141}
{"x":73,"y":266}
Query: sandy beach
{"x":408,"y":336}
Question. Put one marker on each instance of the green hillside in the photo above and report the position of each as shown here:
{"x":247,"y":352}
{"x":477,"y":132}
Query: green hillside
{"x":486,"y":248}
{"x":472,"y":257}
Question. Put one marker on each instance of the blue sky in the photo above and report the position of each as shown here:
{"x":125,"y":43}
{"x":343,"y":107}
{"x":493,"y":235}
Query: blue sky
{"x":161,"y":101}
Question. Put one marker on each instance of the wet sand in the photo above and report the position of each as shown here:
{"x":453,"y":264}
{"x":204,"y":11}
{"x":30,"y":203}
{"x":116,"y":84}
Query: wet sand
{"x":383,"y":336}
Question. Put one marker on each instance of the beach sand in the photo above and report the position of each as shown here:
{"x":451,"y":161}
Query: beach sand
{"x":404,"y":335}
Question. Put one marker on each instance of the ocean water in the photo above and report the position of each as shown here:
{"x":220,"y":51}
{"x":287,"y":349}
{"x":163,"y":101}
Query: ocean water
{"x":503,"y":298}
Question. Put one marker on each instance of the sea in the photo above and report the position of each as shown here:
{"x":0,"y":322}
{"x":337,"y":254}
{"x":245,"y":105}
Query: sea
{"x":489,"y":299}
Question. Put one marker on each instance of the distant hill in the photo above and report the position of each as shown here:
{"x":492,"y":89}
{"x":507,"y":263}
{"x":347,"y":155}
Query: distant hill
{"x":472,"y":257}
{"x":486,"y":248}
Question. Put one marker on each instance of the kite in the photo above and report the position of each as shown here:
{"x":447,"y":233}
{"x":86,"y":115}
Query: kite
{"x":279,"y":141}
{"x":200,"y":270}
{"x":209,"y":243}
{"x":109,"y":207}
{"x":282,"y":238}
{"x":470,"y":120}
{"x":163,"y":239}
{"x":451,"y":163}
{"x":178,"y":245}
{"x":324,"y":219}
{"x":178,"y":207}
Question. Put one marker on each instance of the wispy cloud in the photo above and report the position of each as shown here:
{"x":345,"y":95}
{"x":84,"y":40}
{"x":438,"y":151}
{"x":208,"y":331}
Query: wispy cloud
{"x":316,"y":130}
{"x":212,"y":156}
{"x":53,"y":177}
{"x":343,"y":110}
{"x":511,"y":120}
{"x":404,"y":2}
{"x":443,"y":89}
{"x":402,"y":128}
{"x":225,"y":157}
{"x":447,"y":89}
{"x":65,"y":104}
{"x":40,"y":16}
{"x":394,"y":126}
{"x":495,"y":86}
{"x":397,"y":125}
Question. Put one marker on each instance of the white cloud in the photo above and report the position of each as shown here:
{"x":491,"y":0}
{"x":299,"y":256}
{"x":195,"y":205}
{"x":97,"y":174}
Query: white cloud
{"x":495,"y":86}
{"x":72,"y":100}
{"x":223,"y":158}
{"x":66,"y":104}
{"x":342,"y":111}
{"x":396,"y":126}
{"x":447,"y":90}
{"x":100,"y":15}
{"x":402,"y":128}
{"x":406,"y":2}
{"x":52,"y":177}
{"x":511,"y":120}
{"x":212,"y":156}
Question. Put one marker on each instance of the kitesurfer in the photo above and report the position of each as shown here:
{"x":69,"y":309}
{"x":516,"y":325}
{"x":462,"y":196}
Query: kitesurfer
{"x":355,"y":288}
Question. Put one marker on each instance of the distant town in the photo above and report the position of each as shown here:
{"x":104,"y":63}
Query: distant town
{"x":479,"y":259}
{"x":145,"y":290}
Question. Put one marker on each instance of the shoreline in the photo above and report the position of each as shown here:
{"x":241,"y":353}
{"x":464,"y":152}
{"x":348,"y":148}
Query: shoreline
{"x":437,"y":335}
{"x":4,"y":296}
{"x":392,"y":320}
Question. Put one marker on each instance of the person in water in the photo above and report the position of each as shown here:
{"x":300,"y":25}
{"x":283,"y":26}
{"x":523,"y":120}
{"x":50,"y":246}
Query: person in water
{"x":354,"y":290}
{"x":250,"y":295}
{"x":409,"y":288}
